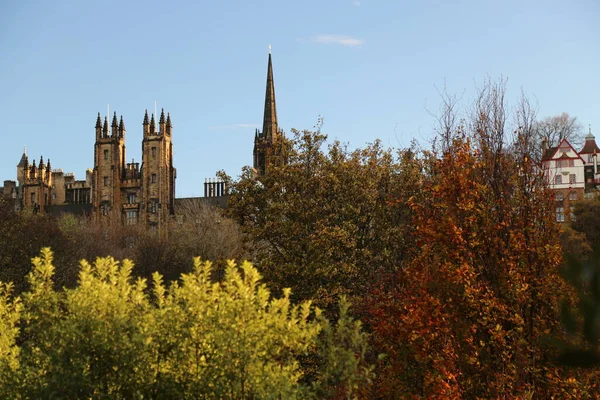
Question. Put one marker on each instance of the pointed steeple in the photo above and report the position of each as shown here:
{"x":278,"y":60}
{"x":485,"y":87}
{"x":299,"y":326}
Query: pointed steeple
{"x":121,"y":127}
{"x":146,"y":118}
{"x":270,"y":128}
{"x":41,"y":163}
{"x":114,"y":120}
{"x":162,"y":116}
{"x":98,"y":122}
{"x":23,"y":160}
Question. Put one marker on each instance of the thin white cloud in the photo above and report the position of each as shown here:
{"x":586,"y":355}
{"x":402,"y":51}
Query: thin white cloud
{"x":337,"y":39}
{"x":356,"y":3}
{"x":232,"y":126}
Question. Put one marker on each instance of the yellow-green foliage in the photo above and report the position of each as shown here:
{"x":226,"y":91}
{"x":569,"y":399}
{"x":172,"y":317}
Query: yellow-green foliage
{"x":110,"y":337}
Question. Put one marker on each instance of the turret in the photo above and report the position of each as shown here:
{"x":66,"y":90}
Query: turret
{"x":152,"y":125}
{"x":121,"y":128}
{"x":48,"y":172}
{"x":98,"y":127}
{"x":114,"y":126}
{"x":146,"y":124}
{"x":105,"y":127}
{"x":169,"y":126}
{"x":162,"y":125}
{"x":22,"y":167}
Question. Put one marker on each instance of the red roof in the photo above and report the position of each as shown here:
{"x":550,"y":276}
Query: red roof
{"x":590,"y":145}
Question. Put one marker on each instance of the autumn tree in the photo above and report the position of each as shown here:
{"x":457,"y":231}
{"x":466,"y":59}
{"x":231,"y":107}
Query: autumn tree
{"x":323,"y":222}
{"x":470,"y":310}
{"x":587,"y":221}
{"x":198,"y":230}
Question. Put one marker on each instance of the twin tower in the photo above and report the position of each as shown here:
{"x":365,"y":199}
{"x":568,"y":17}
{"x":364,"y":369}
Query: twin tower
{"x":132,"y":193}
{"x":127,"y":191}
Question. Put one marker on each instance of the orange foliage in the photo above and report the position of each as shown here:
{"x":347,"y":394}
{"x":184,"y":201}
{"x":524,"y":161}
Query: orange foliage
{"x":470,"y":310}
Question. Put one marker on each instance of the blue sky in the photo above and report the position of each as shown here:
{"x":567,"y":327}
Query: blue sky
{"x":371,"y":69}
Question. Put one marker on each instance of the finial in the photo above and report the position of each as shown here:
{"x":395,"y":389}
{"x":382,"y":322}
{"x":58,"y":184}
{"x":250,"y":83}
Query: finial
{"x":121,"y":124}
{"x":162,"y":116}
{"x":114,"y":120}
{"x":146,"y":117}
{"x":169,"y":119}
{"x":25,"y":150}
{"x":99,"y":121}
{"x":269,"y":49}
{"x":590,"y":128}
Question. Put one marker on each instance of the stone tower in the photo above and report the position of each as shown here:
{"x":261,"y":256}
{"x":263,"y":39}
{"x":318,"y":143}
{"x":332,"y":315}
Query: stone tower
{"x":109,"y":165}
{"x":264,"y":141}
{"x":158,"y":174}
{"x":36,"y":185}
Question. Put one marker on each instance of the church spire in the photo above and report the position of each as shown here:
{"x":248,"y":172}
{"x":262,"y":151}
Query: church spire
{"x":270,"y":128}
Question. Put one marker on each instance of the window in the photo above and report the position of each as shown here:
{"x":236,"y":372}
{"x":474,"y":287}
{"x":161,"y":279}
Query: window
{"x":131,"y":217}
{"x":573,"y":196}
{"x":106,"y":181}
{"x":154,"y":152}
{"x":153,"y":206}
{"x":557,"y":179}
{"x":560,"y":214}
{"x":131,"y":198}
{"x":565,"y":163}
{"x":32,"y":198}
{"x":559,"y":197}
{"x":572,"y":178}
{"x":106,"y":154}
{"x":153,"y":178}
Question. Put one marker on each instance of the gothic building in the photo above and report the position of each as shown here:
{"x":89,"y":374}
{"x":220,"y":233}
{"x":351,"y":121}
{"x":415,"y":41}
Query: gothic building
{"x":131,"y":192}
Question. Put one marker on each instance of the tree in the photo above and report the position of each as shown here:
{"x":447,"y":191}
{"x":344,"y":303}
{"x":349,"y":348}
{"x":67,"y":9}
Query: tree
{"x":22,"y":235}
{"x":470,"y":309}
{"x":587,"y":221}
{"x":554,"y":129}
{"x":198,"y":229}
{"x":107,"y":337}
{"x":324,"y":222}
